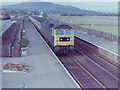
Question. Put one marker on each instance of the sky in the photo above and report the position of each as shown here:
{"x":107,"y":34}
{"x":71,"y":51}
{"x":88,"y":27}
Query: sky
{"x":95,"y":6}
{"x":110,"y":6}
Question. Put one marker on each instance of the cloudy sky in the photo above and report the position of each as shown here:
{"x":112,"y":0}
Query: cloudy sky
{"x":95,"y":5}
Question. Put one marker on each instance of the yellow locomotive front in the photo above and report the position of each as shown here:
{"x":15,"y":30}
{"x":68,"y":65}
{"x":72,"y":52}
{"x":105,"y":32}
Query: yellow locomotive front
{"x":63,"y":39}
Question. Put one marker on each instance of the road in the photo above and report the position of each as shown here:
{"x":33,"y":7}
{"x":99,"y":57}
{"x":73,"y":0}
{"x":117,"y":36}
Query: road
{"x":46,"y":71}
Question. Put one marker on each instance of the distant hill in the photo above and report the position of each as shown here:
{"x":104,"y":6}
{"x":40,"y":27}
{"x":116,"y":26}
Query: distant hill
{"x":47,"y":7}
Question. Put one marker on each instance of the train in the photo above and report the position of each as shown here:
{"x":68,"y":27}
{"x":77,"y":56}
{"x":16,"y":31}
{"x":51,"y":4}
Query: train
{"x":59,"y":35}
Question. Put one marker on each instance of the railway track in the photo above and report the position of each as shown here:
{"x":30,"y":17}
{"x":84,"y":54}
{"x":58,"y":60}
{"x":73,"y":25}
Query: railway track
{"x":101,"y":60}
{"x":87,"y":73}
{"x":110,"y":67}
{"x":80,"y":74}
{"x":90,"y":69}
{"x":81,"y":44}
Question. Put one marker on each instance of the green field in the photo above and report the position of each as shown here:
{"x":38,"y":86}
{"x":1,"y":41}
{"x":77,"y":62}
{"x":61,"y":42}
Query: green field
{"x":107,"y":24}
{"x":108,"y":29}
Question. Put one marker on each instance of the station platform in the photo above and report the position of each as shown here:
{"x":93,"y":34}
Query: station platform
{"x":4,"y":25}
{"x":111,"y":47}
{"x":45,"y":70}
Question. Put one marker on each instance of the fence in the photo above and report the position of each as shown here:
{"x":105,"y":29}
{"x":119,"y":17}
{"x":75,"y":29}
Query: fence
{"x":107,"y":36}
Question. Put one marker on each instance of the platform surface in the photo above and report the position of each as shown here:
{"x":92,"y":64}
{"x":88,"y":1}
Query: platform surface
{"x":102,"y":43}
{"x":4,"y":24}
{"x":46,"y":71}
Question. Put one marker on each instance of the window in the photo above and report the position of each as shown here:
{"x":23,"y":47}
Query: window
{"x":69,"y":32}
{"x":59,"y":32}
{"x":51,"y":25}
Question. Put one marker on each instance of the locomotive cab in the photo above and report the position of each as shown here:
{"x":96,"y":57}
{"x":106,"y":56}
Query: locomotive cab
{"x":63,"y":39}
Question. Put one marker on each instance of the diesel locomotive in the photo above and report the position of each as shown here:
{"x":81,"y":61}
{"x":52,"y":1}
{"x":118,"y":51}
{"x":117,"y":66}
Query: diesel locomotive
{"x":60,"y":36}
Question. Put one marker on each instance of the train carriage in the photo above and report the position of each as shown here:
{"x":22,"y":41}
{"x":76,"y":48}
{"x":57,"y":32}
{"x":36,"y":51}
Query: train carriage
{"x":60,"y":36}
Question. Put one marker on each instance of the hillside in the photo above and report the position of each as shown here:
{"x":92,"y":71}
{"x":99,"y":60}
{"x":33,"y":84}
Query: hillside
{"x":47,"y":7}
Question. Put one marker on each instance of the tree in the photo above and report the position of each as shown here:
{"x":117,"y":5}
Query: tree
{"x":44,"y":14}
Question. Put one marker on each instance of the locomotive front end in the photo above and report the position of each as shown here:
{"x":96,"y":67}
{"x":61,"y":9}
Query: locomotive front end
{"x":63,"y":39}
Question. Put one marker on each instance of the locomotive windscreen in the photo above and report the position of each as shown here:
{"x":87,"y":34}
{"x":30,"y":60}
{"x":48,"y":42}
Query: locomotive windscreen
{"x":69,"y":32}
{"x":64,"y":32}
{"x":59,"y":32}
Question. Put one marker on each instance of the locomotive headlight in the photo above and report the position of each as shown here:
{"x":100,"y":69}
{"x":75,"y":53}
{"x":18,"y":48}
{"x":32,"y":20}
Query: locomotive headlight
{"x":67,"y":39}
{"x":61,"y":39}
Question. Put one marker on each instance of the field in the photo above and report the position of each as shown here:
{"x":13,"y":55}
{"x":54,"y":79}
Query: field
{"x":102,"y":23}
{"x":108,"y":29}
